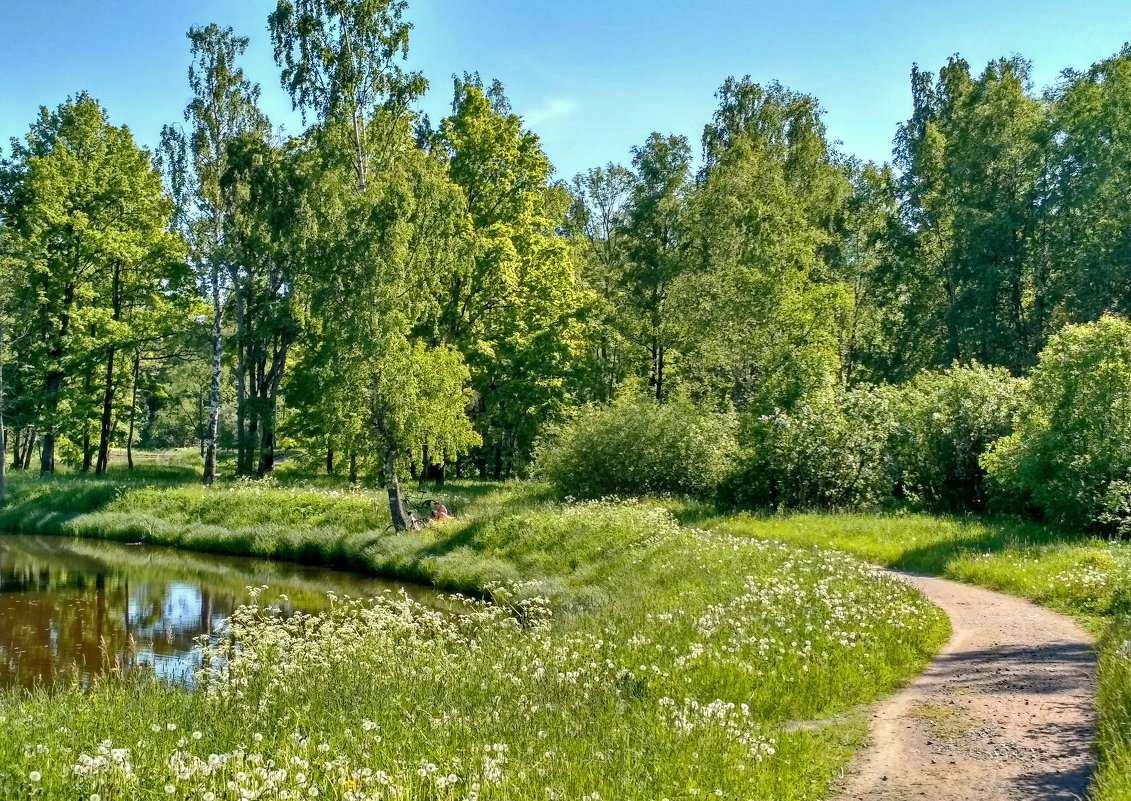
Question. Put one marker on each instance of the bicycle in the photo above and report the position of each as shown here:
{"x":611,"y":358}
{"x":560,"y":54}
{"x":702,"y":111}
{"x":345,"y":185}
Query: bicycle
{"x":417,"y":513}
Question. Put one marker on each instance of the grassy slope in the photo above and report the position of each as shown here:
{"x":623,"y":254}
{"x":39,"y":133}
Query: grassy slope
{"x":1085,"y":577}
{"x":643,"y":610}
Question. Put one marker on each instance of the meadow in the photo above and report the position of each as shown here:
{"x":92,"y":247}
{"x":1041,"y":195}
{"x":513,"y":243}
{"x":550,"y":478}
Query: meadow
{"x":601,"y":650}
{"x":628,"y":649}
{"x":1087,"y":577}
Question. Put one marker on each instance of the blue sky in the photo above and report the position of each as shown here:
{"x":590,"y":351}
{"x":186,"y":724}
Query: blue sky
{"x":592,"y":77}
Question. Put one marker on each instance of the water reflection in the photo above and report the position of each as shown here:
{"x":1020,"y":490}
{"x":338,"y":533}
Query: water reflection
{"x":76,"y":608}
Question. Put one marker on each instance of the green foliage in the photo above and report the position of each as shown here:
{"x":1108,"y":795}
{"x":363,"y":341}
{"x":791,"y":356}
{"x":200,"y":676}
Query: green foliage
{"x":1091,"y":112}
{"x":830,"y":452}
{"x":972,"y":156}
{"x":511,"y":303}
{"x":419,"y":401}
{"x":1113,"y":697}
{"x":1072,"y":443}
{"x":758,"y":257}
{"x":946,"y":420}
{"x":85,"y":214}
{"x":635,"y":446}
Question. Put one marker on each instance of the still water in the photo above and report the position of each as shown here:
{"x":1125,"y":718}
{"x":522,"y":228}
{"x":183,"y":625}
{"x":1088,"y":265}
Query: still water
{"x":71,"y":608}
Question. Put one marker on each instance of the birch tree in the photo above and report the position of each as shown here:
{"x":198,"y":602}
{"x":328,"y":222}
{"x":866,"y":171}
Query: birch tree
{"x":224,"y":105}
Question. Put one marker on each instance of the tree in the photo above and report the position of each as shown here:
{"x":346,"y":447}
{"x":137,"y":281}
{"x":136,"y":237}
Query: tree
{"x":511,"y":301}
{"x":787,"y":126}
{"x":375,"y":266}
{"x":872,"y":338}
{"x":1069,"y":456}
{"x":85,"y":209}
{"x":1088,"y":227}
{"x":656,"y":217}
{"x":6,"y":282}
{"x":764,"y":295}
{"x":223,"y":106}
{"x":763,"y":327}
{"x":973,"y":157}
{"x":597,"y":224}
{"x":263,"y":186}
{"x":340,"y":61}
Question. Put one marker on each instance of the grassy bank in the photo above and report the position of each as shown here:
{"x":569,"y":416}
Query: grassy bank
{"x":341,"y":527}
{"x":1085,"y":577}
{"x":633,"y":658}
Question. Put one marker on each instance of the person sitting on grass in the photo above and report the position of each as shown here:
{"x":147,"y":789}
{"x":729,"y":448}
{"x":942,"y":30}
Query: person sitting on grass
{"x":440,"y":512}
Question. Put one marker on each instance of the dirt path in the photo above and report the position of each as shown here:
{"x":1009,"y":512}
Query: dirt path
{"x":1003,"y":712}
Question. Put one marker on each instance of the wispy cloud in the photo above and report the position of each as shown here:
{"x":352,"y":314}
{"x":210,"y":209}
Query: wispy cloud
{"x":553,"y":109}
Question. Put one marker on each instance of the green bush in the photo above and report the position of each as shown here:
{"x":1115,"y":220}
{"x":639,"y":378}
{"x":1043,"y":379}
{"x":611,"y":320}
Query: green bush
{"x":830,"y":452}
{"x":1071,"y":450}
{"x":636,"y":446}
{"x":947,"y":419}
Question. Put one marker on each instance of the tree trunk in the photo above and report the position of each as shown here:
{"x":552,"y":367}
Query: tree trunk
{"x":396,"y":508}
{"x":53,"y":384}
{"x":201,"y":433}
{"x":353,"y":467}
{"x":3,"y":445}
{"x":17,"y":442}
{"x":107,"y":417}
{"x":267,"y":442}
{"x":271,"y":403}
{"x":330,"y":460}
{"x":3,"y":430}
{"x":212,"y":440}
{"x":108,"y":391}
{"x":133,"y":411}
{"x":51,"y":406}
{"x":244,"y":437}
{"x":254,"y":413}
{"x":87,"y":448}
{"x":87,"y":389}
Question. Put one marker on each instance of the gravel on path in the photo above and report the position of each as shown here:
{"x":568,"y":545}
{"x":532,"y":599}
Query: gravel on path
{"x":1004,"y":712}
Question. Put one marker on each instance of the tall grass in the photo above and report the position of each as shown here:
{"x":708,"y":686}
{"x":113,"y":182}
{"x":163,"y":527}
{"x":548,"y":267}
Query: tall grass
{"x":624,"y":656}
{"x":1083,"y":576}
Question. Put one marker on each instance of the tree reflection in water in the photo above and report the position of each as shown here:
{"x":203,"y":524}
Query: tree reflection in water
{"x":72,"y":609}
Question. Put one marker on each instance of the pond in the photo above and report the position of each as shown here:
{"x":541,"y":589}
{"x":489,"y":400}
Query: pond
{"x":71,"y":609}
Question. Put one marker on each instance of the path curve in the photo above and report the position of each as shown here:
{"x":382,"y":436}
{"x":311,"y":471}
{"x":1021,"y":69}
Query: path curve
{"x":1004,"y":712}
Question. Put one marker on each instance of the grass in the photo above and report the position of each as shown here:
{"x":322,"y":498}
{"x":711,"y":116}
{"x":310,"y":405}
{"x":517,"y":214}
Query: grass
{"x":1086,"y":577}
{"x":343,"y":528}
{"x":626,"y":656}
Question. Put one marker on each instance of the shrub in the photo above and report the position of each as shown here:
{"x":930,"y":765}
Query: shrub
{"x":1071,"y":449}
{"x":830,"y":452}
{"x":635,"y":446}
{"x":947,"y":419}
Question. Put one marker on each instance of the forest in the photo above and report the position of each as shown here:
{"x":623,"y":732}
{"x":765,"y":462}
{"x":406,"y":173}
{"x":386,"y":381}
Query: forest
{"x":385,"y":296}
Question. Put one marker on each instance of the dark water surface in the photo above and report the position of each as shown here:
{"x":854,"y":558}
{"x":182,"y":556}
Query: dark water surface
{"x":71,"y":608}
